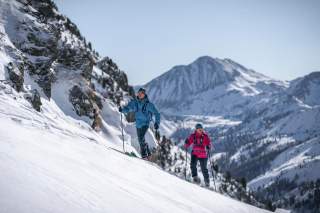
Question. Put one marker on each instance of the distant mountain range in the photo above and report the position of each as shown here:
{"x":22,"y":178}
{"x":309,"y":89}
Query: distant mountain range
{"x":212,"y":86}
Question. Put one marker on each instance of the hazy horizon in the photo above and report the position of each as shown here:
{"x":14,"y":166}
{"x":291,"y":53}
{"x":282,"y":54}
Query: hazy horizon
{"x":280,"y":39}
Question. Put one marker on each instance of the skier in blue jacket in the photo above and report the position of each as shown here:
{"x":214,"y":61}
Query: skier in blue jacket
{"x":144,"y":110}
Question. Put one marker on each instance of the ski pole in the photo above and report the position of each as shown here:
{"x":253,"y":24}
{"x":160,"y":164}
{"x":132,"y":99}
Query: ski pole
{"x":214,"y":182}
{"x":158,"y":137}
{"x":122,"y":132}
{"x":185,"y":174}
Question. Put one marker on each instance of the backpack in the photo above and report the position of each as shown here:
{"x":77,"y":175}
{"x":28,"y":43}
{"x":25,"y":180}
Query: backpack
{"x":131,"y":116}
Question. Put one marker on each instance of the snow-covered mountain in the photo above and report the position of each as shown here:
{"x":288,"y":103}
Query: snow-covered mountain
{"x":210,"y":86}
{"x":307,"y":89}
{"x":253,"y":120}
{"x":59,"y":127}
{"x":222,"y":93}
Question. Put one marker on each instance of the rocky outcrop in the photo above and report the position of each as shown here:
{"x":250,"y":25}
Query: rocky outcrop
{"x":113,"y":73}
{"x":78,"y":59}
{"x":81,"y":102}
{"x":53,"y":40}
{"x":97,"y":121}
{"x":16,"y":75}
{"x":47,"y":47}
{"x":36,"y":100}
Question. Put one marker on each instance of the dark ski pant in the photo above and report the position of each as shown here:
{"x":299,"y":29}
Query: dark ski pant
{"x":144,"y":148}
{"x":203,"y":165}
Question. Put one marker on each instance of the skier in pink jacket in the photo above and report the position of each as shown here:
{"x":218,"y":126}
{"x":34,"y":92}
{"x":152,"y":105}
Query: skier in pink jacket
{"x":201,"y":144}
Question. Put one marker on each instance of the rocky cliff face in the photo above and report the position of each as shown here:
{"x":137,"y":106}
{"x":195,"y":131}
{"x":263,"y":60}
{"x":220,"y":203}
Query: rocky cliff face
{"x":43,"y":48}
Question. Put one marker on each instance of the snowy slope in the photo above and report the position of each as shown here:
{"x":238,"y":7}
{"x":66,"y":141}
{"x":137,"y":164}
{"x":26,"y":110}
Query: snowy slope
{"x":53,"y":87}
{"x":51,"y":162}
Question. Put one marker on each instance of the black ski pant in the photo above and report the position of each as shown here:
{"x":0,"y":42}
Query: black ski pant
{"x":144,"y":148}
{"x":203,"y":165}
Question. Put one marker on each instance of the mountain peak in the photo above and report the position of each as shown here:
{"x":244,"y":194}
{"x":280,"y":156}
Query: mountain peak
{"x":225,"y":61}
{"x":226,"y":67}
{"x":205,"y":58}
{"x":204,"y":76}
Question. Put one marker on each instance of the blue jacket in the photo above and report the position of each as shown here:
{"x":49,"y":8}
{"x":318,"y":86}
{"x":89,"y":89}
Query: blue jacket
{"x":143,"y":111}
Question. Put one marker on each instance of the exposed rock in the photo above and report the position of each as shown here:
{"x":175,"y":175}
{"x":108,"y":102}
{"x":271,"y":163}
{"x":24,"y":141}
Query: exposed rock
{"x":97,"y":121}
{"x":36,"y":100}
{"x":45,"y":82}
{"x":110,"y":68}
{"x":96,"y":99}
{"x":49,"y":44}
{"x":45,"y":9}
{"x":81,"y":102}
{"x":114,"y":74}
{"x":16,"y":75}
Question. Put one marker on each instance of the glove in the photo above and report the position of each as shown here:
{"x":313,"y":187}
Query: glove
{"x":185,"y":144}
{"x":157,"y":134}
{"x":186,"y":141}
{"x":156,"y":126}
{"x":120,"y":109}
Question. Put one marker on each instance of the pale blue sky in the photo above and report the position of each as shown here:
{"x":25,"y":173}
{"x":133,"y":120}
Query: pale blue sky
{"x":279,"y":38}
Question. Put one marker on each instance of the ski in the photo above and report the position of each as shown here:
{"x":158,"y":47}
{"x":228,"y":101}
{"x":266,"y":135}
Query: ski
{"x":130,"y":154}
{"x":133,"y":155}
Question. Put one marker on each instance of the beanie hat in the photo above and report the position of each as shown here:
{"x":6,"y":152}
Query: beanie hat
{"x":199,"y":126}
{"x":141,"y":89}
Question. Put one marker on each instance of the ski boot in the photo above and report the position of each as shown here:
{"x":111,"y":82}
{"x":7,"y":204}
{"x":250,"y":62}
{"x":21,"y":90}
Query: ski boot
{"x":196,"y":179}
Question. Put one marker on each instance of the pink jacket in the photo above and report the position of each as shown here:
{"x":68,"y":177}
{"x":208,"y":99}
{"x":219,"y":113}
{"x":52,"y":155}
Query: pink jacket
{"x":199,"y":149}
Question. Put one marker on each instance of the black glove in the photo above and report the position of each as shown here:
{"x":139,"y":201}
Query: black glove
{"x":186,"y":141}
{"x":120,"y":109}
{"x":156,"y":126}
{"x":157,"y":134}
